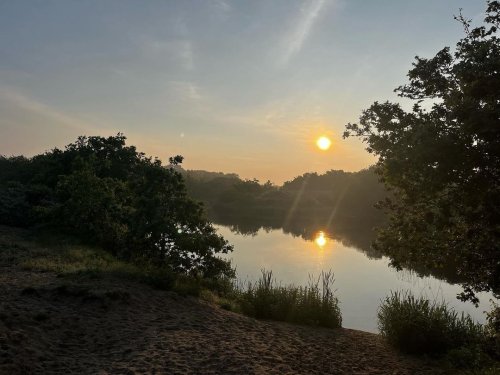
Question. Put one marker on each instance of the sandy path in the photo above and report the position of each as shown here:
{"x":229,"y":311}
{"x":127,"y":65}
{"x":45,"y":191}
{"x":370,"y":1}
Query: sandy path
{"x":115,"y":327}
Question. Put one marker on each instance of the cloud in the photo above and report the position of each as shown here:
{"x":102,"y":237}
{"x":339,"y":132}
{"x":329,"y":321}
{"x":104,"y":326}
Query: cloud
{"x":179,"y":50}
{"x":29,"y":126}
{"x":186,"y":90}
{"x":222,"y":5}
{"x":21,"y":103}
{"x":185,"y":53}
{"x":296,"y":38}
{"x":18,"y":106}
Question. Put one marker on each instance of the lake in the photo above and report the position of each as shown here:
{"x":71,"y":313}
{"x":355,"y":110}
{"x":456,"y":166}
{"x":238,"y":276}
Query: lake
{"x":361,"y":280}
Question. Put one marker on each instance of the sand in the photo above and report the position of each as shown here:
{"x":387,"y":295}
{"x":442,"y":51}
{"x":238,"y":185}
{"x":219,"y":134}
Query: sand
{"x":109,"y":326}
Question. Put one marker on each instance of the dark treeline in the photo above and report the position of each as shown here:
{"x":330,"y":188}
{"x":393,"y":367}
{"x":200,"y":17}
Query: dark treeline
{"x":337,"y":202}
{"x":331,"y":196}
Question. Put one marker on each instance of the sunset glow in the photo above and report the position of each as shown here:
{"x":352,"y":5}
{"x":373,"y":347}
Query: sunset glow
{"x":232,"y":87}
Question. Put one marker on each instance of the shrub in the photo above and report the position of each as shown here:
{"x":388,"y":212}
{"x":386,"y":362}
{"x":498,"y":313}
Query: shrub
{"x":310,"y":305}
{"x":418,"y":326}
{"x":492,"y":329}
{"x":108,"y":194}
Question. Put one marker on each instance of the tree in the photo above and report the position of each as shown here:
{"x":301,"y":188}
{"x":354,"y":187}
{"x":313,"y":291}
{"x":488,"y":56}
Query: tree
{"x":442,"y":159}
{"x":107,"y":193}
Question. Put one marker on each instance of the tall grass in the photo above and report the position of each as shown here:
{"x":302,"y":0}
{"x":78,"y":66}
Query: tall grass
{"x":419,"y":326}
{"x":314,"y":304}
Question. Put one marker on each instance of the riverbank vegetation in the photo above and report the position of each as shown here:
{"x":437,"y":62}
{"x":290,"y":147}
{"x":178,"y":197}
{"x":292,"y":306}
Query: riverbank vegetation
{"x":314,"y":304}
{"x":108,"y":194}
{"x":418,"y":326}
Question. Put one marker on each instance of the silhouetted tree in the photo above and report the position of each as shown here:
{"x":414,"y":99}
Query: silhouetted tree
{"x":442,"y":159}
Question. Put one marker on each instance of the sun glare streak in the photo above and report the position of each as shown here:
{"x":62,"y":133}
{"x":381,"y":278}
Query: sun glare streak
{"x":296,"y":201}
{"x":340,"y":197}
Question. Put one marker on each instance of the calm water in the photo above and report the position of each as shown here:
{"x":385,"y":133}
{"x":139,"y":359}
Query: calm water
{"x":361,"y":282}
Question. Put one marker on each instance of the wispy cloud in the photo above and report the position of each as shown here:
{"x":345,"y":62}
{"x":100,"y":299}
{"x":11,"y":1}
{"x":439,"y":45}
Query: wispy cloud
{"x":289,"y":118}
{"x":186,"y":90}
{"x":222,"y":5}
{"x":28,"y":125}
{"x":179,"y":50}
{"x":309,"y":13}
{"x":21,"y":103}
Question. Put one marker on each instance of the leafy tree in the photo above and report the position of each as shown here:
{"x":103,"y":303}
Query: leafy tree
{"x":442,"y":159}
{"x":108,"y":193}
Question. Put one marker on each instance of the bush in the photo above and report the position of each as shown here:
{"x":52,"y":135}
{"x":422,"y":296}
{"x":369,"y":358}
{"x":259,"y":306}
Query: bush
{"x":492,"y":329}
{"x":418,"y":326}
{"x":310,"y":305}
{"x":108,"y":194}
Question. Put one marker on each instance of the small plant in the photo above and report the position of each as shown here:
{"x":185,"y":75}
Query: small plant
{"x":310,"y":305}
{"x":418,"y":326}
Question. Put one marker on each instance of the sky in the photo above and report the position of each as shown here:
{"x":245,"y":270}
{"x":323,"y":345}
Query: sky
{"x":233,"y":86}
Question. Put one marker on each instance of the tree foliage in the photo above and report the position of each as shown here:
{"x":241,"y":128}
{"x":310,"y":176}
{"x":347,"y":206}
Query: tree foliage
{"x":107,"y":193}
{"x":442,"y":159}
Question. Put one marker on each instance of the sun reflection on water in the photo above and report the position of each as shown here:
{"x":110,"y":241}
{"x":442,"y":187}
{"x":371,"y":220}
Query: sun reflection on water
{"x":320,"y":239}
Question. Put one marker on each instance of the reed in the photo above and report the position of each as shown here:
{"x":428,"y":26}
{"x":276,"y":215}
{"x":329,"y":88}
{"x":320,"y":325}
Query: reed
{"x":314,"y":304}
{"x":419,"y":326}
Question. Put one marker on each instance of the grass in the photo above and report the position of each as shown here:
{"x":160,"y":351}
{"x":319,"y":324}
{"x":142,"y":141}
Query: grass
{"x":86,"y":262}
{"x":69,"y":259}
{"x":419,"y":326}
{"x":80,"y":260}
{"x":314,"y":304}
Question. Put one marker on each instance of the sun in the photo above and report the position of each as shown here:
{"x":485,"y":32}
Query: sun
{"x":323,"y":143}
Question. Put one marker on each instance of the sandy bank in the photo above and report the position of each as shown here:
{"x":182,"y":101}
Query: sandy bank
{"x":49,"y":325}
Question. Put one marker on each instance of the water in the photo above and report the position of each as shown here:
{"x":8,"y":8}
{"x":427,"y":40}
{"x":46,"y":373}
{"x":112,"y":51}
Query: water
{"x":361,"y":282}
